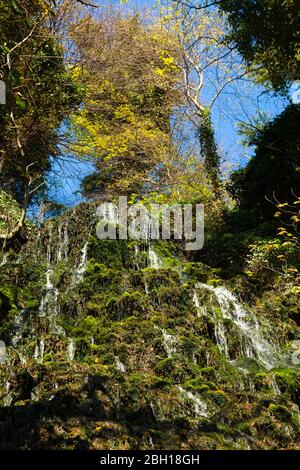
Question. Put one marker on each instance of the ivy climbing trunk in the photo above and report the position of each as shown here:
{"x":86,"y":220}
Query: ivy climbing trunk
{"x":209,"y":149}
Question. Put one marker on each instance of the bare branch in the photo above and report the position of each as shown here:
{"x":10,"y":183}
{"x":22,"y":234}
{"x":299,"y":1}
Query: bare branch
{"x":88,"y":4}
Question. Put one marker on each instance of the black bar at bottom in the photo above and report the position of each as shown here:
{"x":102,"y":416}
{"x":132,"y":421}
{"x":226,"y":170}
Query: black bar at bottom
{"x":137,"y":459}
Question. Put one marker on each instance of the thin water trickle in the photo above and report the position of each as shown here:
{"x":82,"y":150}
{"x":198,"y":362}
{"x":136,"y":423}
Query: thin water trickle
{"x":63,"y":242}
{"x":39,"y":351}
{"x":154,"y":260}
{"x":120,"y":366}
{"x":4,"y":259}
{"x":81,"y":268}
{"x":71,"y":349}
{"x":200,"y":406}
{"x":7,"y":400}
{"x":170,"y":343}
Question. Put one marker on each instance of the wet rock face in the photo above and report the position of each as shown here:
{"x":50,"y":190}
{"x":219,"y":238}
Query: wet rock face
{"x":116,"y":344}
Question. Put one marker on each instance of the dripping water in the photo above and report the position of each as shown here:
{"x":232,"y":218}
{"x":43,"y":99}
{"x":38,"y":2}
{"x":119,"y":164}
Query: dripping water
{"x":200,"y":406}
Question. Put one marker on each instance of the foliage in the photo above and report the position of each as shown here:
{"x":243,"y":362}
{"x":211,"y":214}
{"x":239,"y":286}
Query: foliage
{"x":209,"y":67}
{"x":271,"y":258}
{"x":40,"y":94}
{"x":272,"y":175}
{"x":266,"y":33}
{"x":9,"y":212}
{"x":124,"y":123}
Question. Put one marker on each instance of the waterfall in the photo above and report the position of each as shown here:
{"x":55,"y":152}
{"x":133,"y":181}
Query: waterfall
{"x":274,"y":386}
{"x":80,"y":270}
{"x":120,"y":366}
{"x":20,"y":325}
{"x":63,"y":242}
{"x":170,"y":343}
{"x":71,"y":349}
{"x":136,"y":253}
{"x":151,"y":442}
{"x":18,"y":322}
{"x":48,"y":249}
{"x":7,"y":400}
{"x":39,"y":351}
{"x":253,"y":342}
{"x":201,"y":309}
{"x":220,"y":335}
{"x":4,"y":259}
{"x":59,"y":244}
{"x":48,"y":304}
{"x":219,"y":331}
{"x":2,"y":352}
{"x":200,"y":406}
{"x":196,"y":300}
{"x":154,"y":260}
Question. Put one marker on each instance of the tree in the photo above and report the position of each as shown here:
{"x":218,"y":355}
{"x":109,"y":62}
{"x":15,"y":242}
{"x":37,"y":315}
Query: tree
{"x":267,"y":33}
{"x":272,"y":176}
{"x":130,"y":75}
{"x":209,"y":65}
{"x":40,"y":95}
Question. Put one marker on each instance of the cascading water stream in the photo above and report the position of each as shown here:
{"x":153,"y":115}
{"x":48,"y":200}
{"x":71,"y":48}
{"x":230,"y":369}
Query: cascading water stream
{"x":120,"y":366}
{"x":154,"y":260}
{"x":4,"y":259}
{"x":253,"y":342}
{"x":39,"y":351}
{"x":81,"y":268}
{"x":49,"y":305}
{"x":63,"y":242}
{"x":200,"y":407}
{"x":170,"y":343}
{"x":71,"y":349}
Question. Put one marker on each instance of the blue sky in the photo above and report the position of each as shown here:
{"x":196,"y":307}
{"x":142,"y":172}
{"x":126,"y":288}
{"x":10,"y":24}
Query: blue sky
{"x":68,"y":173}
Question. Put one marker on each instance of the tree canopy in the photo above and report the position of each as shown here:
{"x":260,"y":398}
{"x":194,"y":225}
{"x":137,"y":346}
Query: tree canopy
{"x":130,"y":76}
{"x":267,"y":33}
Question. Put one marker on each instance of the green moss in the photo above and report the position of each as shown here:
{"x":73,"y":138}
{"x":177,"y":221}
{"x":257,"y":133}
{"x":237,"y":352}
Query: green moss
{"x":218,"y":397}
{"x":166,"y":366}
{"x":208,"y":372}
{"x":159,"y":383}
{"x":281,"y":412}
{"x":287,"y":379}
{"x":250,"y":364}
{"x":118,"y":311}
{"x":199,"y":272}
{"x":128,"y":304}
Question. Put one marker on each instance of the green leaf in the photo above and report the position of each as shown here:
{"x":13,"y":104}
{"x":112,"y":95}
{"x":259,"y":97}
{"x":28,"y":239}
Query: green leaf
{"x":14,"y":5}
{"x":20,"y":103}
{"x":16,"y":76}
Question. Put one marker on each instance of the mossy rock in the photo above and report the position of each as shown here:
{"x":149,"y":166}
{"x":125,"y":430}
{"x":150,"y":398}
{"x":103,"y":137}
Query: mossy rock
{"x":166,"y":366}
{"x":128,"y":304}
{"x":218,"y":397}
{"x":250,"y":364}
{"x":281,"y":412}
